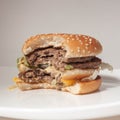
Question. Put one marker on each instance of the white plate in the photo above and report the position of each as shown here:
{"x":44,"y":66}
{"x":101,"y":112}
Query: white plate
{"x":52,"y":104}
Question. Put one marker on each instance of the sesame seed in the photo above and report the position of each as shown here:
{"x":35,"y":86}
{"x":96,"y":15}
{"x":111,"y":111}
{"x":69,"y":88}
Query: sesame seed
{"x":90,"y":39}
{"x":88,"y":51}
{"x":76,"y":36}
{"x":84,"y":36}
{"x":67,"y":40}
{"x":30,"y":80}
{"x":86,"y":47}
{"x":83,"y":51}
{"x":78,"y":49}
{"x":87,"y":44}
{"x":95,"y":48}
{"x":73,"y":39}
{"x":90,"y":42}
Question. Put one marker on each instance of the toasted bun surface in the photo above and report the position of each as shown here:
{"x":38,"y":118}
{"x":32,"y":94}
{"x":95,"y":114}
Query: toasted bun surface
{"x":84,"y":87}
{"x":76,"y":45}
{"x":78,"y":88}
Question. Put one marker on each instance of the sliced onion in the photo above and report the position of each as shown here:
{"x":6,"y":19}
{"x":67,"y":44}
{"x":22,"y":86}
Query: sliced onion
{"x":107,"y":66}
{"x":91,"y":77}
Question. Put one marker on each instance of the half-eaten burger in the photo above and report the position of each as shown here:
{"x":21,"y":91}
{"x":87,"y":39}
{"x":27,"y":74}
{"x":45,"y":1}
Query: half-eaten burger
{"x":66,"y":62}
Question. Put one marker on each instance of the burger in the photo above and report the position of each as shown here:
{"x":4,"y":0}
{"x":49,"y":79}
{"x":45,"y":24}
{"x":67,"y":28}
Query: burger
{"x":65,"y":62}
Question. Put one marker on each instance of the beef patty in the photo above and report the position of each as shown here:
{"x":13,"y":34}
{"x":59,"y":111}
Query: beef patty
{"x":36,"y":76}
{"x":55,"y":56}
{"x":94,"y":63}
{"x":43,"y":56}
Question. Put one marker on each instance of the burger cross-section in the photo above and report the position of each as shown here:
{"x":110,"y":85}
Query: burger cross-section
{"x":66,"y":62}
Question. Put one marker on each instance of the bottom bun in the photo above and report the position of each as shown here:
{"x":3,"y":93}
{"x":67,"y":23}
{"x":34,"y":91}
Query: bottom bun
{"x":84,"y":87}
{"x":78,"y":88}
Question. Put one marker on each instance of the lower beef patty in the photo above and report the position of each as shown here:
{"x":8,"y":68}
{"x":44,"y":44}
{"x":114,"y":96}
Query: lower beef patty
{"x":35,"y":76}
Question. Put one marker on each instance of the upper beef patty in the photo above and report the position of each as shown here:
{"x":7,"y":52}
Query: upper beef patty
{"x":43,"y":56}
{"x":55,"y":56}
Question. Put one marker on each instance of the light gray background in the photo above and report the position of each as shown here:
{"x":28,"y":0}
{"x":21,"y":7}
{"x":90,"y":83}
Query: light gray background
{"x":20,"y":19}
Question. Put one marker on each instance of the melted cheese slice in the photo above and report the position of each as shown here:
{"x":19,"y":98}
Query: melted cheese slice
{"x":16,"y":79}
{"x":68,"y":82}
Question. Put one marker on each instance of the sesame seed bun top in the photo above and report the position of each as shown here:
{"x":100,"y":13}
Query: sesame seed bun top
{"x":76,"y":45}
